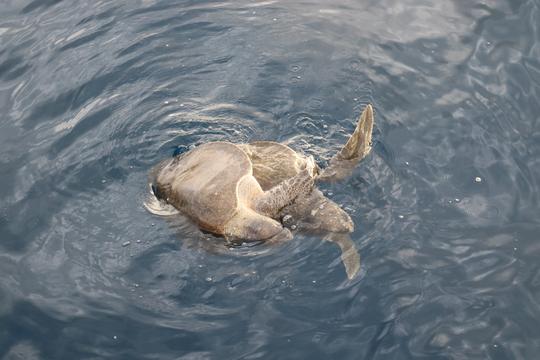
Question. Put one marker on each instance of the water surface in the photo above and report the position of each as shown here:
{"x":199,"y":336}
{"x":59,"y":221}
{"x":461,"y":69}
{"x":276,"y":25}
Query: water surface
{"x":93,"y":94}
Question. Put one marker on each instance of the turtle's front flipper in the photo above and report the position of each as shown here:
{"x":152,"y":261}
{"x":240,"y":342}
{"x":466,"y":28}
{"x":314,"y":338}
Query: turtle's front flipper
{"x":283,"y":194}
{"x":248,"y":225}
{"x":349,"y":254}
{"x":357,"y":147}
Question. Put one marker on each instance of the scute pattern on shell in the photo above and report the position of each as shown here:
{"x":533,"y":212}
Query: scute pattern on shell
{"x":205,"y":185}
{"x":273,"y":162}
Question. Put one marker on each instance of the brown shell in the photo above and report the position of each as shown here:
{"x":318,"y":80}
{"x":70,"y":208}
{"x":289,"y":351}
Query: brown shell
{"x":272,"y":162}
{"x":203,"y":183}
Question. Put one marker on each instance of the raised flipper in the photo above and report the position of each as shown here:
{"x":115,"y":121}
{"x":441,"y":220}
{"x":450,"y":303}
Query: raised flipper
{"x":349,"y":254}
{"x":272,"y":201}
{"x":357,"y":147}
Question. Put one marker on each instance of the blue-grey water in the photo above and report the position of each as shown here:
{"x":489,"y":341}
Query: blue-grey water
{"x":95,"y":93}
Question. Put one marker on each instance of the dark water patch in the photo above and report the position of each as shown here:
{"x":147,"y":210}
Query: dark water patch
{"x":94,"y":95}
{"x":80,"y":129}
{"x":12,"y":68}
{"x":106,"y":14}
{"x":87,"y":38}
{"x":37,"y":4}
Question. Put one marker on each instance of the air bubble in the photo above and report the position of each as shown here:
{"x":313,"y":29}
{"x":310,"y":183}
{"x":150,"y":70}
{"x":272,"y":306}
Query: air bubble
{"x":295,"y":68}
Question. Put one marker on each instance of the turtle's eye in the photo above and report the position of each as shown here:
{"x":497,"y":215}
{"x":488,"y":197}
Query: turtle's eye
{"x":287,"y":221}
{"x":155,"y":190}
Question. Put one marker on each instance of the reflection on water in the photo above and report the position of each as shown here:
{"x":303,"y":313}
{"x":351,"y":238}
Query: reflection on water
{"x":93,"y":94}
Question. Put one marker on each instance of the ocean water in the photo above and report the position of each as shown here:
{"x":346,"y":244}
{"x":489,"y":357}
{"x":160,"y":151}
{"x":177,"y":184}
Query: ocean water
{"x":446,"y":207}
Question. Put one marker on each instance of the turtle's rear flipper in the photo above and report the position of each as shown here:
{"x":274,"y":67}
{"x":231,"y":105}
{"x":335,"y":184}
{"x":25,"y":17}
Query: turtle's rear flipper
{"x":349,"y":254}
{"x":357,"y":147}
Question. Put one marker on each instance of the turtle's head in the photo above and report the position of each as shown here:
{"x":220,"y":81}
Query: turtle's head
{"x":329,"y":217}
{"x":318,"y":213}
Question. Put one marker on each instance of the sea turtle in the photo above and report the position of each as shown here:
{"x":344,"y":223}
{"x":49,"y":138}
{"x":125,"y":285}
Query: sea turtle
{"x":251,"y":191}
